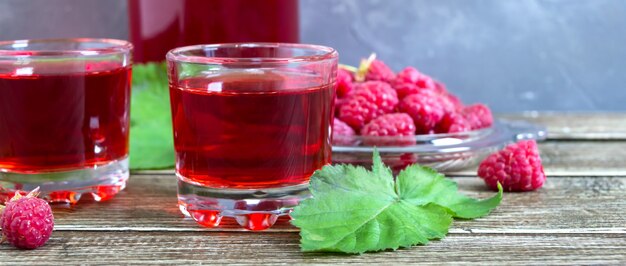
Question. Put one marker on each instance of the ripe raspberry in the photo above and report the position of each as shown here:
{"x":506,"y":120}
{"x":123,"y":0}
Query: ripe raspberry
{"x":452,"y":123}
{"x":379,"y":71}
{"x":27,"y":221}
{"x":344,"y":82}
{"x":452,"y":103}
{"x":367,"y":101}
{"x":411,"y":81}
{"x":408,"y":75}
{"x":441,"y":88}
{"x":398,"y":163}
{"x":517,"y":167}
{"x":343,"y":134}
{"x":396,"y":129}
{"x":338,"y":103}
{"x":478,"y":115}
{"x":426,"y":82}
{"x":426,"y":108}
{"x":393,"y":161}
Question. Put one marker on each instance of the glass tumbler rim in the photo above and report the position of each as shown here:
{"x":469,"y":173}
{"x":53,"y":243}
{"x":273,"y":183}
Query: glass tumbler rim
{"x":323,"y":53}
{"x":22,"y":48}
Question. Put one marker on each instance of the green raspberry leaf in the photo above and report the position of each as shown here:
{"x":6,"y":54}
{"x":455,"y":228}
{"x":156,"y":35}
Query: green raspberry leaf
{"x":151,"y":140}
{"x":354,"y":210}
{"x":361,"y":212}
{"x":421,"y":185}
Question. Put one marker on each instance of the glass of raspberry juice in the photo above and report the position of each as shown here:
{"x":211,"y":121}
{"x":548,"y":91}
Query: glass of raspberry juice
{"x":251,"y":124}
{"x":64,"y":117}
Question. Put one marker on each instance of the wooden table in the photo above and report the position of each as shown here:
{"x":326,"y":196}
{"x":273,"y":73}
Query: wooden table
{"x":578,"y":217}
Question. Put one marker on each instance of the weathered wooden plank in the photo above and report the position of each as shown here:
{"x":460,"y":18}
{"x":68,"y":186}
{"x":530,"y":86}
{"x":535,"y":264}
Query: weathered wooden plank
{"x":571,"y":205}
{"x":574,"y":125}
{"x":577,"y":218}
{"x":560,"y":158}
{"x":578,"y":158}
{"x":184,"y":248}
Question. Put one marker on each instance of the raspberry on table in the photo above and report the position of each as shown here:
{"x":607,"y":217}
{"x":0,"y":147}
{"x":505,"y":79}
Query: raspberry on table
{"x":398,"y":125}
{"x":379,"y":71}
{"x":453,"y":122}
{"x":342,"y":133}
{"x":344,"y":82}
{"x":27,"y":221}
{"x":517,"y":168}
{"x":426,"y":108}
{"x":478,"y":115}
{"x":367,"y":101}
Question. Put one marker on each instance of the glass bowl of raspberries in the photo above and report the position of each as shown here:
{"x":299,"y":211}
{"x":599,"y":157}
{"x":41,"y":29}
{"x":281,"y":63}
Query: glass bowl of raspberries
{"x":412,"y":118}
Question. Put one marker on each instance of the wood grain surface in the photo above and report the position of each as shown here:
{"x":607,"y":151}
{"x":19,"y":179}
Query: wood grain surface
{"x":183,"y":248}
{"x":560,"y":158}
{"x":578,"y":158}
{"x":582,"y":204}
{"x":578,"y":217}
{"x":577,"y":126}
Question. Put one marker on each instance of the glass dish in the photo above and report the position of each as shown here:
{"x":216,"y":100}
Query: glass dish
{"x":443,"y":152}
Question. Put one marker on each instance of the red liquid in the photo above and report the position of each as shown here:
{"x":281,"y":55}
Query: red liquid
{"x":254,"y":132}
{"x":63,"y":121}
{"x":156,"y":26}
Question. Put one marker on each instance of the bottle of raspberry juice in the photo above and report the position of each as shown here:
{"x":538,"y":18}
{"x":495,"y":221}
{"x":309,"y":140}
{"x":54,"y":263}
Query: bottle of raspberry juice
{"x":156,"y":26}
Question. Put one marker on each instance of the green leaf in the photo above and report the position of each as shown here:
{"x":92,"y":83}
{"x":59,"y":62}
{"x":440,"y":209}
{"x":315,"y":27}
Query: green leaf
{"x":421,"y":185}
{"x":151,"y":140}
{"x":361,"y":212}
{"x":353,"y":210}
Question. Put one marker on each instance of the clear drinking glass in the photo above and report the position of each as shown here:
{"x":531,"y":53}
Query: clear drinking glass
{"x":252,"y":123}
{"x":64,"y":117}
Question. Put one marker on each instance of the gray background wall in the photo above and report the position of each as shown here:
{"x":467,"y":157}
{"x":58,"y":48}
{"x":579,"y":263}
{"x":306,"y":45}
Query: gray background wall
{"x":513,"y":55}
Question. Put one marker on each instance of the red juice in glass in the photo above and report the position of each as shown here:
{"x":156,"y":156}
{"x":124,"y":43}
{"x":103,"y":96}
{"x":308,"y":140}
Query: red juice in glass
{"x":254,"y":133}
{"x":70,"y":120}
{"x":157,"y":26}
{"x":64,"y":118}
{"x":251,"y":125}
